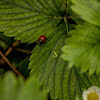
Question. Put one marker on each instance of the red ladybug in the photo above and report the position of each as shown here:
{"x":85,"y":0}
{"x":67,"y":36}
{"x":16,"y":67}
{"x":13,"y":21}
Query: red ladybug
{"x":42,"y":39}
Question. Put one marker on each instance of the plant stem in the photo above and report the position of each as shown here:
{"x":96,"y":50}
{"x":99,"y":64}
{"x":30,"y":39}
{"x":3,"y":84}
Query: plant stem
{"x":65,"y":19}
{"x":22,"y":50}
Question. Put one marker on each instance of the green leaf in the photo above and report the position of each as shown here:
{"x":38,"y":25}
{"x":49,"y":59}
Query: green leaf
{"x":12,"y":88}
{"x":82,"y":48}
{"x":53,"y":72}
{"x":28,"y":19}
{"x":46,"y":62}
{"x":88,"y":10}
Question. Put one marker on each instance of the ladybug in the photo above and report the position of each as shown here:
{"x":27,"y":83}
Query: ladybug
{"x":42,"y":39}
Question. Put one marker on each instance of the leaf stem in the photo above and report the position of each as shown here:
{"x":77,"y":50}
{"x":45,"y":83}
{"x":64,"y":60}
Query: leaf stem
{"x":73,"y":17}
{"x":65,"y":19}
{"x":58,"y":17}
{"x":68,"y":3}
{"x":22,"y":50}
{"x":10,"y":49}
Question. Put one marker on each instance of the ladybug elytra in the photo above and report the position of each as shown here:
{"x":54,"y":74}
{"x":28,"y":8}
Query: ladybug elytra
{"x":42,"y":39}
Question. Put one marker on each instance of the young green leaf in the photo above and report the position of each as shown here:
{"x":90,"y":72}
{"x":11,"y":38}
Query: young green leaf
{"x":82,"y":48}
{"x":12,"y":88}
{"x":89,"y":10}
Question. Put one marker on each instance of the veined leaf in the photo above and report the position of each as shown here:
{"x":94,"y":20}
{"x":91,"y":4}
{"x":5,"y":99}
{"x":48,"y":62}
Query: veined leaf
{"x":88,"y":10}
{"x":28,"y":19}
{"x":53,"y":72}
{"x":46,"y":63}
{"x":82,"y":49}
{"x":12,"y":88}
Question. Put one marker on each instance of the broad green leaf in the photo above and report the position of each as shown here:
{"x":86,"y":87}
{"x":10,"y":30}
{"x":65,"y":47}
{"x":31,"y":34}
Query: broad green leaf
{"x":53,"y":72}
{"x":13,"y":88}
{"x":46,"y":63}
{"x":28,"y":19}
{"x":89,"y":10}
{"x":82,"y":48}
